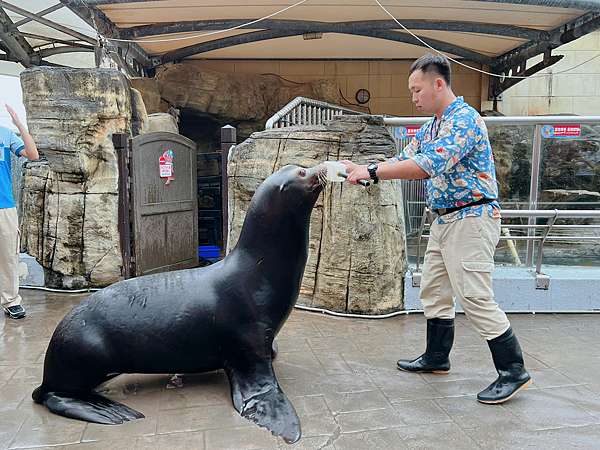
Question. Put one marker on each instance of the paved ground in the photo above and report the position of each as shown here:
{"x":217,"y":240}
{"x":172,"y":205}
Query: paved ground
{"x":340,"y":376}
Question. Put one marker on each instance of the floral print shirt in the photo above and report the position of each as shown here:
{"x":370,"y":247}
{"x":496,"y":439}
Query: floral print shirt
{"x":458,"y":158}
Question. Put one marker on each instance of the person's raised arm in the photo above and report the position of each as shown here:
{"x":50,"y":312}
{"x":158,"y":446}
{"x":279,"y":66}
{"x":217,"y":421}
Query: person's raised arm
{"x":30,"y":151}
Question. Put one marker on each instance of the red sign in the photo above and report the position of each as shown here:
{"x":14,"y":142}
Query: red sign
{"x":406,"y":132}
{"x":165,"y":166}
{"x":558,"y":131}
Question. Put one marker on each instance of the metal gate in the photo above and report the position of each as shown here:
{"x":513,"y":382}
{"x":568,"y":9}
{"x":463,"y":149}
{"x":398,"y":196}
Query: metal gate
{"x":158,"y":216}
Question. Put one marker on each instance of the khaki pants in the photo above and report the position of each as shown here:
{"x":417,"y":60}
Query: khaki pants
{"x":9,"y":257}
{"x":459,"y":264}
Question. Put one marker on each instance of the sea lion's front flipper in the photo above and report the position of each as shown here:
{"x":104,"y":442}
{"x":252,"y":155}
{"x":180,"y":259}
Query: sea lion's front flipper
{"x":255,"y":391}
{"x":258,"y":397}
{"x":91,"y":408}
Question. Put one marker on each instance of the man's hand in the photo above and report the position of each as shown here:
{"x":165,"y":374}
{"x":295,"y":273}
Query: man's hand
{"x":350,"y":166}
{"x":356,"y":172}
{"x":359,"y":173}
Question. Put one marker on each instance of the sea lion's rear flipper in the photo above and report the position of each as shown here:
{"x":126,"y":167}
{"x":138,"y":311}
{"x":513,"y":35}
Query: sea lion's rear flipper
{"x":91,"y":408}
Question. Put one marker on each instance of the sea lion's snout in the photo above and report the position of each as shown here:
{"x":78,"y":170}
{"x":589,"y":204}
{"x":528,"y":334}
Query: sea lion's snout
{"x":318,"y":176}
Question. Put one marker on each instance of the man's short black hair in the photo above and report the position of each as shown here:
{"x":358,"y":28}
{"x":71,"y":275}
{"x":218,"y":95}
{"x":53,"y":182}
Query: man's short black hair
{"x":432,"y":64}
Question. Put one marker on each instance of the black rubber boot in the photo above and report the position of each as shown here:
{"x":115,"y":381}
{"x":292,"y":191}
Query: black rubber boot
{"x":512,"y":376}
{"x":440,"y":337}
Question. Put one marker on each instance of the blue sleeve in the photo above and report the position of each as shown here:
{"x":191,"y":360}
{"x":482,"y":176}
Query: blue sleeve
{"x":454,"y":141}
{"x":16,"y":144}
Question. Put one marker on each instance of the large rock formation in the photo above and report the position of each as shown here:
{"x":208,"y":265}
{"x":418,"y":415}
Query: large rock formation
{"x":357,"y":254}
{"x":139,"y":115}
{"x":70,"y":207}
{"x":209,"y":100}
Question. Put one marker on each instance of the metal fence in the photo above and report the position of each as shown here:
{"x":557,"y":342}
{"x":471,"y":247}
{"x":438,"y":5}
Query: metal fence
{"x":555,"y":161}
{"x":539,"y":233}
{"x":306,"y":111}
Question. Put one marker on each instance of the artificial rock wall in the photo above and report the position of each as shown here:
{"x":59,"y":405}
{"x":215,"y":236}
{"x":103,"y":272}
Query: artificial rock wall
{"x":209,"y":100}
{"x":69,"y":219}
{"x":357,"y":256}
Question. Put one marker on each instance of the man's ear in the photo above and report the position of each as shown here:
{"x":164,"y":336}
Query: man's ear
{"x":439,"y":84}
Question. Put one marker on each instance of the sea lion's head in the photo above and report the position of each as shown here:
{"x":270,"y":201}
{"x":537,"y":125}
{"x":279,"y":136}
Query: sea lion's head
{"x":290,"y":189}
{"x":282,"y":205}
{"x":296,"y":183}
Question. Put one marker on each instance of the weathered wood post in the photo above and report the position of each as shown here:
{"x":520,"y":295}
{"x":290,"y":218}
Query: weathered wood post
{"x":120,"y":142}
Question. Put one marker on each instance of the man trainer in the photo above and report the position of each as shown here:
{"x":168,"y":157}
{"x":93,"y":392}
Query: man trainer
{"x":452,"y":153}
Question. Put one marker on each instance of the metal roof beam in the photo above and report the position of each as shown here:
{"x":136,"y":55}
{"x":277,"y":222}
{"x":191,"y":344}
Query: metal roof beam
{"x":578,"y":31}
{"x":50,"y":40}
{"x":498,"y":86}
{"x":522,"y":54}
{"x":216,"y":44}
{"x":438,"y":45}
{"x":258,"y":36}
{"x":559,"y":36}
{"x":583,"y":5}
{"x":340,"y":27}
{"x":64,"y":49}
{"x":105,"y":27}
{"x":48,"y":23}
{"x":516,"y":60}
{"x":107,"y":2}
{"x":40,"y":14}
{"x":18,"y":47}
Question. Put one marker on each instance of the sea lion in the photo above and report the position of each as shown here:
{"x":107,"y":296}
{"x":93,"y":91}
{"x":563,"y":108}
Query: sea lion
{"x":190,"y":321}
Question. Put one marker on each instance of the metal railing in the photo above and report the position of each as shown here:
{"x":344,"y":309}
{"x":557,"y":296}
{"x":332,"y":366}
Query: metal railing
{"x":306,"y":111}
{"x":537,"y":121}
{"x":544,"y":231}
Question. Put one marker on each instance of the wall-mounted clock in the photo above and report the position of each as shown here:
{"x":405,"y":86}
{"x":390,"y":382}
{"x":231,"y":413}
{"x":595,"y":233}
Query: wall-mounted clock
{"x":363,"y":96}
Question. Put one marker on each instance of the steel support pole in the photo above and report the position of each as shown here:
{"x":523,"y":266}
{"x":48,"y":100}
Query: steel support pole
{"x":533,"y":190}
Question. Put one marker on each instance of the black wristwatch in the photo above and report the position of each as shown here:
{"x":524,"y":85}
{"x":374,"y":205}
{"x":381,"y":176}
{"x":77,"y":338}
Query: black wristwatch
{"x":372,"y":168}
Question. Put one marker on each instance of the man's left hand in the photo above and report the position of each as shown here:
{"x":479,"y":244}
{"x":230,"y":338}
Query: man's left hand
{"x":359,"y":173}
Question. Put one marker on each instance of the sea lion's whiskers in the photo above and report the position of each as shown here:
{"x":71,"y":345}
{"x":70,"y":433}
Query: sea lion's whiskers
{"x":322,"y":178}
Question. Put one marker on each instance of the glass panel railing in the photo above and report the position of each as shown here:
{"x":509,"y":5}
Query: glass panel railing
{"x":562,"y":162}
{"x":512,"y":146}
{"x":569,"y":179}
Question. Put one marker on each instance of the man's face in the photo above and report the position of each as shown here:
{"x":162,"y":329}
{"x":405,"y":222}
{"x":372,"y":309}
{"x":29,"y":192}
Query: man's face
{"x":426,"y":90}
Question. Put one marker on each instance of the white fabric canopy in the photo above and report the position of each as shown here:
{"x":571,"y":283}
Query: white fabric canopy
{"x":478,"y":30}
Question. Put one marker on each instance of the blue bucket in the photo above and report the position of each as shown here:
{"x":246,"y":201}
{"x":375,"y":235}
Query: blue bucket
{"x":208,"y":251}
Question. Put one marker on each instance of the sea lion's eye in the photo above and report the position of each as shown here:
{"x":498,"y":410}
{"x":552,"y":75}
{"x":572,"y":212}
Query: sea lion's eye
{"x":302,"y":172}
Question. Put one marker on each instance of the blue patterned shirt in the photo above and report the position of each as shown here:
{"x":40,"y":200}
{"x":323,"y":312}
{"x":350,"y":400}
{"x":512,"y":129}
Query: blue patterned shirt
{"x":459,"y":161}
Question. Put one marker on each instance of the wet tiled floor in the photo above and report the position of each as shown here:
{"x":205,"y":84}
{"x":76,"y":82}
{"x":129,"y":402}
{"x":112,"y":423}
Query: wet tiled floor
{"x":340,"y":375}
